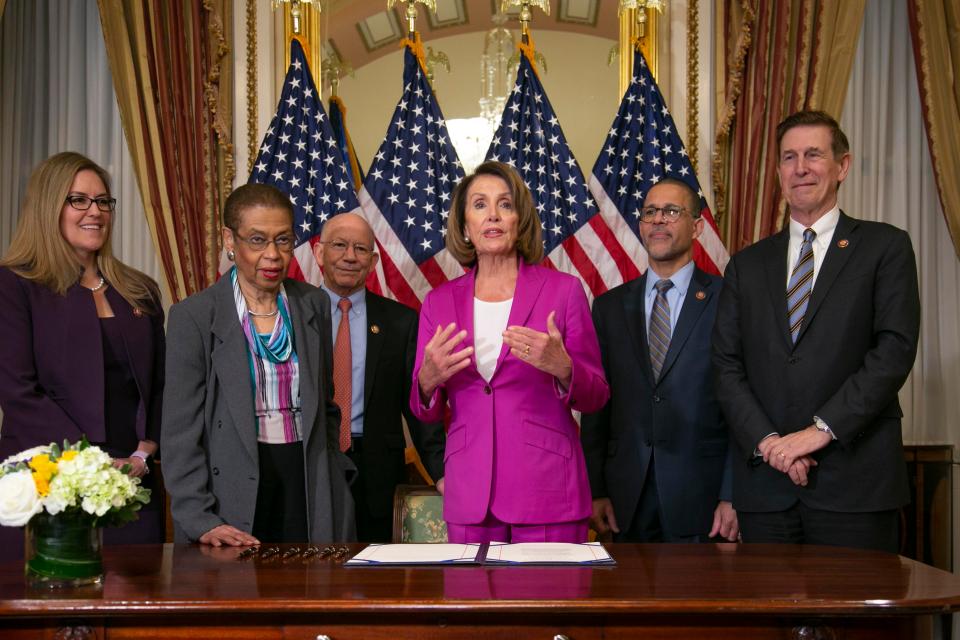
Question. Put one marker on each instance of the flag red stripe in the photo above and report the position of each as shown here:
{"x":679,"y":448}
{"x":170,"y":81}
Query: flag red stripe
{"x":397,"y":283}
{"x":628,"y":269}
{"x":581,"y":261}
{"x":703,"y":259}
{"x":433,"y":273}
{"x":294,"y":271}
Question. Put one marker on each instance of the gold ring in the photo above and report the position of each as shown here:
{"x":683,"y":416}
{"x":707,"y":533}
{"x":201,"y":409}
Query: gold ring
{"x":526,"y":351}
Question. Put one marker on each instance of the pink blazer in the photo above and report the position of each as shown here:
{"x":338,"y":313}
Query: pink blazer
{"x":513,"y":447}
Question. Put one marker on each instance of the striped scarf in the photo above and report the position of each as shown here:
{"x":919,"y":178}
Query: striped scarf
{"x":274,"y":372}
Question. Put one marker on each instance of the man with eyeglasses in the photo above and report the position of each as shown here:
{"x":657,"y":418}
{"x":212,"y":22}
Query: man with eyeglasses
{"x":375,"y":341}
{"x":816,"y":332}
{"x":657,"y":454}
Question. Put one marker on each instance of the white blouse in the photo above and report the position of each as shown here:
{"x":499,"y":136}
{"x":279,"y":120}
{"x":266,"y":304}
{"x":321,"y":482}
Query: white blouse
{"x":489,"y":322}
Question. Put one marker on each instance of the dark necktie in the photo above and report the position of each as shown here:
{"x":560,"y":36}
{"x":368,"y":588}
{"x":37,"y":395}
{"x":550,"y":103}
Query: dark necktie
{"x":660,"y":327}
{"x":801,"y":284}
{"x":343,"y":373}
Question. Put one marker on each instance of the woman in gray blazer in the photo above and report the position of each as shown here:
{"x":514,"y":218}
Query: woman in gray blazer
{"x":250,"y":428}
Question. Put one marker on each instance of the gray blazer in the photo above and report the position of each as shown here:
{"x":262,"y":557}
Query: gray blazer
{"x":209,"y":441}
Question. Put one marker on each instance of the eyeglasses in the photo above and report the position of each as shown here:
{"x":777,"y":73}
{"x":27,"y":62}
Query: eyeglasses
{"x":362,"y":251}
{"x":671,"y":213}
{"x":82,"y":203}
{"x":283,"y":244}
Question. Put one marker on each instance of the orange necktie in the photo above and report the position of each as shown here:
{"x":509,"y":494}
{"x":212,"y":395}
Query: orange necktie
{"x":343,"y":373}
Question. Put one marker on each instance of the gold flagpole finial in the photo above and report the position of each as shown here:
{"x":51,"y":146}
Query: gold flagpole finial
{"x":332,"y":70}
{"x":525,"y":14}
{"x":412,"y":12}
{"x":296,"y":13}
{"x":641,"y":6}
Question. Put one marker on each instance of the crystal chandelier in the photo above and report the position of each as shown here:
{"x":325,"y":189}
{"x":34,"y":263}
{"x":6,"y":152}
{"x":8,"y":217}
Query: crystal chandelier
{"x":495,"y":80}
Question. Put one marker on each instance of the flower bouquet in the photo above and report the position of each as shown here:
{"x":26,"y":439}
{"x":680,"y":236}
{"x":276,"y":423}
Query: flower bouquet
{"x":64,"y":495}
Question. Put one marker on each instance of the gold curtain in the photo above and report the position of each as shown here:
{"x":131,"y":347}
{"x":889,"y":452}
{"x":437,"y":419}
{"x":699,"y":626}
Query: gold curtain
{"x":173,"y":83}
{"x":3,"y":4}
{"x":780,"y":57}
{"x":935,"y":31}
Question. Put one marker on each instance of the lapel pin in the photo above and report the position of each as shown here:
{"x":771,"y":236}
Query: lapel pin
{"x":701,"y":295}
{"x":374,"y":328}
{"x":137,"y":312}
{"x":843,"y":244}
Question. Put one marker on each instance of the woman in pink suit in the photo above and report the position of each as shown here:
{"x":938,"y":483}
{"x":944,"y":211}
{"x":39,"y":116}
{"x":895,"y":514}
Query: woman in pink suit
{"x":512,"y":348}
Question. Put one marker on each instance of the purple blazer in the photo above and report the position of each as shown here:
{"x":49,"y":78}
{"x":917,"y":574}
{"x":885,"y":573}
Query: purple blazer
{"x":513,"y":447}
{"x":51,"y":364}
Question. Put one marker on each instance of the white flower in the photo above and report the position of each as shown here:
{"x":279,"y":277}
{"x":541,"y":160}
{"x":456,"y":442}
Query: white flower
{"x":25,"y":456}
{"x":19,"y":499}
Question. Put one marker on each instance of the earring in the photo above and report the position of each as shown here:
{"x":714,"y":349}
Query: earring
{"x":231,"y":255}
{"x":466,"y":238}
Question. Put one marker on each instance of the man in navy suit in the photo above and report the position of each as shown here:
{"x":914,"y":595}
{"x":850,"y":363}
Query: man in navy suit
{"x":816,"y":332}
{"x":657,"y":453}
{"x":383,"y":341}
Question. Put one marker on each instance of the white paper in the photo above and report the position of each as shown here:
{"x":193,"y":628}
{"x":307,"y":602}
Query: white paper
{"x":548,"y":553}
{"x":416,"y":554}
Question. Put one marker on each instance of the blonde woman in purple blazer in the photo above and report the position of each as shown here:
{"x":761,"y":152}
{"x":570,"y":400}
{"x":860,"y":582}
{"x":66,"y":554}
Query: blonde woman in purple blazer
{"x":512,"y":349}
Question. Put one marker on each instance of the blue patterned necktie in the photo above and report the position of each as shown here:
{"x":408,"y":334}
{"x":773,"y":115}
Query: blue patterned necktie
{"x":660,"y":327}
{"x":801,"y":284}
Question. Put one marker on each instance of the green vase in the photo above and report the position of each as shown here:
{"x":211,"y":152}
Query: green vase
{"x":63,"y":551}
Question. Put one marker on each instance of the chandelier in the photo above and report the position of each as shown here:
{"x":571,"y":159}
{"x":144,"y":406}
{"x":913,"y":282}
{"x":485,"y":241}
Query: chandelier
{"x":495,"y":76}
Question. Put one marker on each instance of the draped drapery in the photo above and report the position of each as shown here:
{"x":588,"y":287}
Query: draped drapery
{"x":782,"y":57}
{"x":892,"y":180}
{"x":172,"y":81}
{"x":935,"y":32}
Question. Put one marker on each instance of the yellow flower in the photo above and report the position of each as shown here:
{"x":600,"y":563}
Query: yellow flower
{"x":43,"y":470}
{"x":69,"y":455}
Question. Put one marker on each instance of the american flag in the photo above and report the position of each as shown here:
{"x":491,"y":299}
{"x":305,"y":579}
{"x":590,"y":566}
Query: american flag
{"x":406,"y":194}
{"x":641,"y":148}
{"x":576,"y":239}
{"x":301,"y":157}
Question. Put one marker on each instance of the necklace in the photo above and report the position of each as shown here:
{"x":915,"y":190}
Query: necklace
{"x":98,"y":287}
{"x":264,"y":315}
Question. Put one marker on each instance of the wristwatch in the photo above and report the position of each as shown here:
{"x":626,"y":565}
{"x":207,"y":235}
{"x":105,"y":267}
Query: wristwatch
{"x":143,"y":456}
{"x":822,"y":426}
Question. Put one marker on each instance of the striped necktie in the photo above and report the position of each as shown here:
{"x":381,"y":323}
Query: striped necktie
{"x":801,"y":284}
{"x":660,"y":327}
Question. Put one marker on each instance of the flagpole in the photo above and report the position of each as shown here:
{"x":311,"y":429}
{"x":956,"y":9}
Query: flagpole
{"x":639,"y":20}
{"x":301,"y":20}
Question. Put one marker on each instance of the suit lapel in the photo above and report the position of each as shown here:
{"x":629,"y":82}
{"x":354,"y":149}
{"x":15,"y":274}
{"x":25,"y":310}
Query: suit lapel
{"x":135,"y":330}
{"x":525,"y":295}
{"x":698,"y":297}
{"x":232,"y":366}
{"x":775,"y":261}
{"x":833,"y":263}
{"x":635,"y":319}
{"x":375,"y":318}
{"x":306,"y":341}
{"x":463,"y":305}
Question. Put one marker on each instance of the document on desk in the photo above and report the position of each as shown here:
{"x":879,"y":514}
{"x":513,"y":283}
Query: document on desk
{"x":416,"y":554}
{"x":588,"y":553}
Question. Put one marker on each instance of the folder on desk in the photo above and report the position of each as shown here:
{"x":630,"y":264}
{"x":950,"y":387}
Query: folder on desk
{"x":416,"y":554}
{"x":548,"y":553}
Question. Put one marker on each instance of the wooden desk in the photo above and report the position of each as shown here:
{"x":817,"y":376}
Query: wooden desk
{"x":655,"y":591}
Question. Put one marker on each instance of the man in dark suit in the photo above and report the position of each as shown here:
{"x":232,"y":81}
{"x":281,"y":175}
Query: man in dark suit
{"x":816,"y":332}
{"x":379,"y":355}
{"x":657,"y":454}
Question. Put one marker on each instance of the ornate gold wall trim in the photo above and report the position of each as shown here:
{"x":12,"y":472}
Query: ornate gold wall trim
{"x":693,"y":81}
{"x":253,"y":141}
